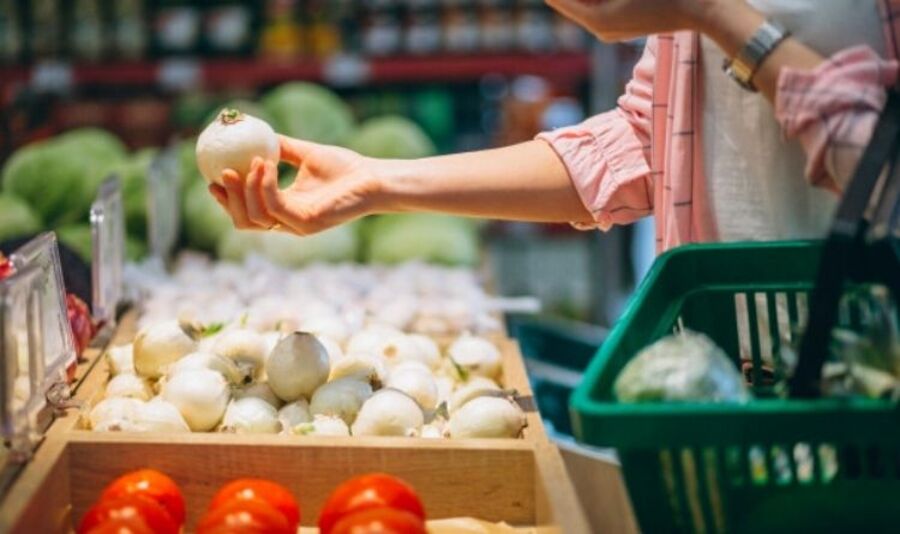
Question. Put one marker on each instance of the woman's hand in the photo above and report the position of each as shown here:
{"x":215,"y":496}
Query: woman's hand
{"x":618,"y":20}
{"x":333,"y":185}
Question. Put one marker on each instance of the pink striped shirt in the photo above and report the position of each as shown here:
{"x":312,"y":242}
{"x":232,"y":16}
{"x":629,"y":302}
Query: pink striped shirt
{"x":646,"y":156}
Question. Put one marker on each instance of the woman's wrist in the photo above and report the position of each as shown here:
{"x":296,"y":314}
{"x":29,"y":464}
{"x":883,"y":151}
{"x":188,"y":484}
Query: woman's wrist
{"x":389,"y":189}
{"x":730,"y":23}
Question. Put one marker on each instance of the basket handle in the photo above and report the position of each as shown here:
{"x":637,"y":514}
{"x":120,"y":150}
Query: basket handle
{"x":845,"y":245}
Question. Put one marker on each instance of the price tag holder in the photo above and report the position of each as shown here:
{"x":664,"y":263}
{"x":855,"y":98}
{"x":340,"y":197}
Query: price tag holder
{"x":36,"y":340}
{"x":163,"y":202}
{"x":56,"y":344}
{"x":108,"y":241}
{"x":18,"y":335}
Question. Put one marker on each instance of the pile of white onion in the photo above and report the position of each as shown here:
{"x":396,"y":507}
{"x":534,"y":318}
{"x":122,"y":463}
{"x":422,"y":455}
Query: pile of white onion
{"x":265,"y":378}
{"x":334,"y":300}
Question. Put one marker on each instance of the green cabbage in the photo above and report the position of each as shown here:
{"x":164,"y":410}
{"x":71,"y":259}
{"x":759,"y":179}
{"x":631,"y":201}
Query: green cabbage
{"x":235,"y":245}
{"x":422,"y":236}
{"x":133,"y":176}
{"x":16,"y":218}
{"x":336,"y":244}
{"x":309,"y":111}
{"x":392,"y":137}
{"x":59,"y":178}
{"x":205,"y":222}
{"x":95,"y":142}
{"x":333,"y":245}
{"x":187,"y":161}
{"x":79,"y":238}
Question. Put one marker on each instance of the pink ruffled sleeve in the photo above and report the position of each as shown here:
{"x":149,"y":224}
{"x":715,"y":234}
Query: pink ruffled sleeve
{"x":608,"y":156}
{"x":832,"y":111}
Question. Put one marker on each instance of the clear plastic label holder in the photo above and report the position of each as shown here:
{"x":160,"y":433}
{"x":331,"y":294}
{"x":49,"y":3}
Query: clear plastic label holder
{"x":108,"y":241}
{"x":163,"y":202}
{"x":37,"y":345}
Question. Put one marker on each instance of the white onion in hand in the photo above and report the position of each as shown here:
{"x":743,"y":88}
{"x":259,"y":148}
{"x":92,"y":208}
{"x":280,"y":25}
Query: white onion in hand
{"x":231,"y":142}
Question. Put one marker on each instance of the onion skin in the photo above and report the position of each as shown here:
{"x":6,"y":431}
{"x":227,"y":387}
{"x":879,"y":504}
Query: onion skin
{"x":159,"y":346}
{"x":231,"y":142}
{"x":201,"y":395}
{"x":298,"y":365}
{"x":389,"y":413}
{"x":487,"y":417}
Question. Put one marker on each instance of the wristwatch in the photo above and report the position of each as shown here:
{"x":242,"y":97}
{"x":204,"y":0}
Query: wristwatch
{"x":744,"y":66}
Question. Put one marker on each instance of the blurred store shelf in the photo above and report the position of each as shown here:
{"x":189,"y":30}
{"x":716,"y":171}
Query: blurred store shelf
{"x":342,"y":70}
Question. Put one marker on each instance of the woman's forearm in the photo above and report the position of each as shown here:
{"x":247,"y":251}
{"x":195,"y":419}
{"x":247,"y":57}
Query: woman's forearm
{"x":731,"y":24}
{"x":520,"y":182}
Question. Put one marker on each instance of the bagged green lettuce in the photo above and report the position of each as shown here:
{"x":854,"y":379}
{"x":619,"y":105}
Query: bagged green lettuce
{"x":17,"y":219}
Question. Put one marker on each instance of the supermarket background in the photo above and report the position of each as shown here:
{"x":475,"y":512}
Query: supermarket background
{"x":471,"y":74}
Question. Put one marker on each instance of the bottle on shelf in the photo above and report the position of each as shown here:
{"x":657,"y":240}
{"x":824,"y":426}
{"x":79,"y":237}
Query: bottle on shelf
{"x":228,"y":28}
{"x":12,"y":45}
{"x":324,"y":27}
{"x":423,"y":33}
{"x":46,"y":29}
{"x":176,"y":26}
{"x":130,"y":39}
{"x":282,"y":36}
{"x":461,"y":30}
{"x":86,"y":36}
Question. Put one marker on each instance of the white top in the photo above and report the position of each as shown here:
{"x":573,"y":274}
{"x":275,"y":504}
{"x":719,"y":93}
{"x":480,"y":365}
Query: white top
{"x":755,"y":179}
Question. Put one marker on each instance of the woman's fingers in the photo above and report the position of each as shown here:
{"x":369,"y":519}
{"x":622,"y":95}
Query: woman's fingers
{"x":236,"y":204}
{"x":218,"y":192}
{"x":256,"y":209}
{"x":294,"y":151}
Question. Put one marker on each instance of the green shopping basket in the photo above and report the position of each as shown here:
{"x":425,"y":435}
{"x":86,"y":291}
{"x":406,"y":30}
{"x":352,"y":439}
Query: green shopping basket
{"x":803,"y":464}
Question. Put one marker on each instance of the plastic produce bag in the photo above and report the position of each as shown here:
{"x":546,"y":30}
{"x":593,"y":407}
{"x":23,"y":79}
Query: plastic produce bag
{"x":683,"y":367}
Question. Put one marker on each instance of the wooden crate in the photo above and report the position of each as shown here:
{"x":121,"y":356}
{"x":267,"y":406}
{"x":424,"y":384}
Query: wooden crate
{"x":90,"y":388}
{"x":524,"y":484}
{"x":520,"y":481}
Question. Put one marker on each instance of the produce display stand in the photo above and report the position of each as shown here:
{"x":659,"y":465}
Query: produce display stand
{"x":520,"y":481}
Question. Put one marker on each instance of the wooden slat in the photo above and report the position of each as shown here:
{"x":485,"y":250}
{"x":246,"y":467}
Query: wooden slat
{"x":526,"y":486}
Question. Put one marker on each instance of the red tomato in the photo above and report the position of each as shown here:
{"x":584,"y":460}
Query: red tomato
{"x":379,"y":521}
{"x":129,"y":507}
{"x":376,"y":490}
{"x":6,"y":267}
{"x":244,"y":516}
{"x":121,"y":525}
{"x":80,"y":322}
{"x":153,"y":485}
{"x":254,"y":488}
